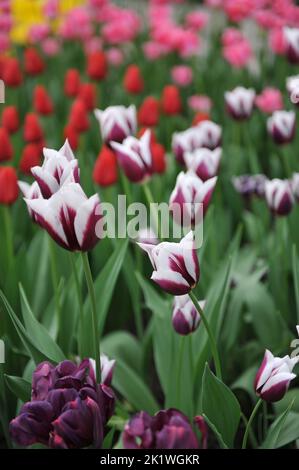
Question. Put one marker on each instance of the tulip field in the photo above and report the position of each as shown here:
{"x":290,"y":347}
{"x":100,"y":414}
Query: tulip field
{"x":149,"y":224}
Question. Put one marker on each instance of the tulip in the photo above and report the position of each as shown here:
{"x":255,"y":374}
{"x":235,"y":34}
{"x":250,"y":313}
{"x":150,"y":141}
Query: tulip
{"x":87,"y":94}
{"x":211,"y":134}
{"x":200,"y":117}
{"x":159,"y":157}
{"x":133,"y":81}
{"x":291,"y":36}
{"x":107,"y":367}
{"x":10,"y":119}
{"x":176,"y":266}
{"x":30,"y":192}
{"x":269,"y":100}
{"x":59,"y":168}
{"x":281,"y":126}
{"x":171,"y":102}
{"x":279,"y":196}
{"x":116,"y":122}
{"x":42,"y":101}
{"x":72,"y":83}
{"x":78,"y":116}
{"x":105,"y":168}
{"x":8,"y":185}
{"x":200,"y":103}
{"x":148,"y":236}
{"x":30,"y":157}
{"x":274,"y":376}
{"x":185,"y":317}
{"x":6,"y":149}
{"x":186,"y":141}
{"x":12,"y":75}
{"x":167,"y":429}
{"x":68,"y":409}
{"x":204,"y":162}
{"x":32,"y":128}
{"x":240,"y":102}
{"x":72,"y":135}
{"x":189,"y":194}
{"x":292,"y":85}
{"x":148,"y":114}
{"x":69,"y":217}
{"x":97,"y":65}
{"x":135,"y":157}
{"x":249,"y":185}
{"x":34,"y":64}
{"x":182,"y":75}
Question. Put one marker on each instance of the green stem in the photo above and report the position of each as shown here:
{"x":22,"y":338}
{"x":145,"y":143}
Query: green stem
{"x":285,"y":157}
{"x":254,"y":411}
{"x":95,"y":332}
{"x":80,"y":302}
{"x":152,"y":207}
{"x":8,"y":235}
{"x":251,"y":434}
{"x":55,"y":282}
{"x":210,"y":335}
{"x":179,"y":370}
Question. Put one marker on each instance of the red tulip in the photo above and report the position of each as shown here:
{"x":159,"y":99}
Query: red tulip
{"x":148,"y":114}
{"x":8,"y":185}
{"x":12,"y":74}
{"x":171,"y":100}
{"x":72,"y":83}
{"x":6,"y":149}
{"x":72,"y":135}
{"x":133,"y":81}
{"x":159,"y":157}
{"x":42,"y":101}
{"x":88,"y":95}
{"x":34,"y":64}
{"x":78,"y":116}
{"x":10,"y":119}
{"x":200,"y":117}
{"x":32,"y":128}
{"x":31,"y":156}
{"x":97,"y":65}
{"x":105,"y":169}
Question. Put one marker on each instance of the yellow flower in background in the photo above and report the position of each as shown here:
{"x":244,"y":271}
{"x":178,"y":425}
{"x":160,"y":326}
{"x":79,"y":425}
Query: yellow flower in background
{"x":26,"y":13}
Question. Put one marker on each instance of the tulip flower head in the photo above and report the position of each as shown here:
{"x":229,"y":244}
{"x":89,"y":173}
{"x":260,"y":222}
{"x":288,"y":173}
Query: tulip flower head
{"x":240,"y":102}
{"x":135,"y":157}
{"x":204,"y":162}
{"x":148,"y":236}
{"x":10,"y":119}
{"x":59,"y":167}
{"x":176,"y":266}
{"x":105,"y":168}
{"x":107,"y":367}
{"x":279,"y":196}
{"x":117,"y":123}
{"x":269,"y":100}
{"x":291,"y":36}
{"x":274,"y":376}
{"x":8,"y":185}
{"x":281,"y":126}
{"x":69,"y":217}
{"x":292,"y":85}
{"x":30,"y":191}
{"x":190,"y":198}
{"x":185,"y":317}
{"x":250,"y":185}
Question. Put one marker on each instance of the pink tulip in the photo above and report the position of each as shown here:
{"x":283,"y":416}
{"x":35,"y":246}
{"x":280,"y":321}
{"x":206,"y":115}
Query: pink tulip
{"x":182,"y":75}
{"x":269,"y":100}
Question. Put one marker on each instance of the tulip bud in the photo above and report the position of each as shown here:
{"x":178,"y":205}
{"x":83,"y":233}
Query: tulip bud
{"x":69,"y":217}
{"x":159,"y":157}
{"x":105,"y":168}
{"x":32,"y":128}
{"x":240,"y":102}
{"x":148,"y":114}
{"x":171,"y":102}
{"x":292,"y":86}
{"x":186,"y":141}
{"x":210,"y":134}
{"x":135,"y":157}
{"x":281,"y":126}
{"x":116,"y":123}
{"x":34,"y":65}
{"x":72,"y":83}
{"x":42,"y":101}
{"x":269,"y":100}
{"x":189,"y":192}
{"x":176,"y":266}
{"x":12,"y":75}
{"x":291,"y":37}
{"x":97,"y":65}
{"x":6,"y":149}
{"x":78,"y":116}
{"x":10,"y":119}
{"x":72,"y":135}
{"x":8,"y":185}
{"x":204,"y":162}
{"x":279,"y":196}
{"x":30,"y":192}
{"x":87,"y":94}
{"x":30,"y":158}
{"x":274,"y":376}
{"x":185,"y":317}
{"x":133,"y":81}
{"x":249,"y":185}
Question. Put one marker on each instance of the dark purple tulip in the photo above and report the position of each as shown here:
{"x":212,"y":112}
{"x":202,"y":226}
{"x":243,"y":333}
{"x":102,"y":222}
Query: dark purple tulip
{"x":168,"y":429}
{"x":68,"y":409}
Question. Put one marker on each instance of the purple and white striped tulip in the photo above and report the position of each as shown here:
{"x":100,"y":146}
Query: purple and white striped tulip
{"x":186,"y":141}
{"x":279,"y":196}
{"x":292,"y":86}
{"x":211,"y":134}
{"x":176,"y":266}
{"x":204,"y":162}
{"x":148,"y":235}
{"x":281,"y":126}
{"x":291,"y":36}
{"x":30,"y":191}
{"x":185,"y":317}
{"x":190,"y":198}
{"x":240,"y":102}
{"x":135,"y":157}
{"x":59,"y":168}
{"x":117,"y":123}
{"x":274,"y":376}
{"x":69,"y":217}
{"x":107,"y":368}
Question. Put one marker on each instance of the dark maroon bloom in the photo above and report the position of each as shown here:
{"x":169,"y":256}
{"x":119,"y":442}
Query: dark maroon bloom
{"x":167,"y":429}
{"x":68,"y":409}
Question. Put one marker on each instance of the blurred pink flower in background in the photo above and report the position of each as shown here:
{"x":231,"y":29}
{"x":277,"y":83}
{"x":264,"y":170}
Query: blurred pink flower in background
{"x":238,"y":10}
{"x":267,"y":19}
{"x":197,"y":19}
{"x":93,"y":44}
{"x":269,"y":100}
{"x":277,"y":41}
{"x":231,"y":36}
{"x":39,"y":32}
{"x":154,"y":50}
{"x":182,"y":75}
{"x":50,"y":46}
{"x":200,"y":103}
{"x":4,"y":42}
{"x":239,"y":54}
{"x":115,"y":56}
{"x":51,"y":8}
{"x":77,"y":24}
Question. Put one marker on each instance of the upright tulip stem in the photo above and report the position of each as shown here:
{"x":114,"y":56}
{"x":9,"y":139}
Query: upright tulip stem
{"x":80,"y":301}
{"x":96,"y":339}
{"x":254,"y":411}
{"x":55,"y":282}
{"x":8,"y":235}
{"x":152,"y":206}
{"x":179,"y":370}
{"x":210,"y":335}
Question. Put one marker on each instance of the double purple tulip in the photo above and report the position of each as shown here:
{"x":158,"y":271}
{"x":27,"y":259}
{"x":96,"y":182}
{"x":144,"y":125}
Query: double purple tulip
{"x":68,"y":409}
{"x":168,"y":429}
